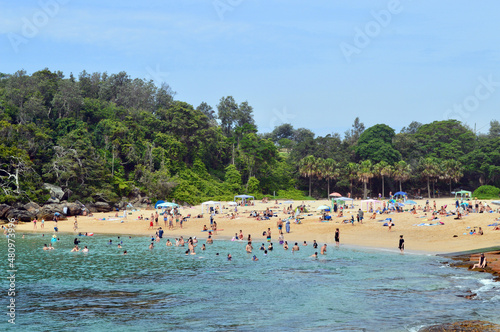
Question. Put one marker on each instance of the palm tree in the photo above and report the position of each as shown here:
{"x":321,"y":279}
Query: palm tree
{"x":352,"y":171}
{"x":451,"y":170}
{"x":365,"y":173}
{"x":401,"y":172}
{"x":330,"y":171}
{"x":429,"y":169}
{"x":383,"y":169}
{"x":308,"y":168}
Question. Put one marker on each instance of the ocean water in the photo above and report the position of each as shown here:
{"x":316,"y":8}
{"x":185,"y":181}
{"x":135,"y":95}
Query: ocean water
{"x":163,"y":289}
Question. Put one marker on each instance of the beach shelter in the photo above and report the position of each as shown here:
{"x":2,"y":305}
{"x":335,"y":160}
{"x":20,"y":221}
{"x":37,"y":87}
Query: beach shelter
{"x":323,"y":207}
{"x":495,"y":202}
{"x":401,"y":193}
{"x":205,"y":206}
{"x":244,"y":198}
{"x":463,"y":193}
{"x":335,"y":194}
{"x":166,"y":205}
{"x":341,"y":200}
{"x":411,"y":202}
{"x":159,"y":202}
{"x":365,"y":204}
{"x":232,"y":203}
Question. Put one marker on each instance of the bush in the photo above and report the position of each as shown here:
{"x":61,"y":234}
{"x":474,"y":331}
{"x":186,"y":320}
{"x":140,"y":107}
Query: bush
{"x":486,"y":192}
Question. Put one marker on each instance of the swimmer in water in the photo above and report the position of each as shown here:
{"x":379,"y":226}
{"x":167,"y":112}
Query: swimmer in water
{"x":249,"y":247}
{"x":285,"y":245}
{"x":323,"y":249}
{"x":85,"y":249}
{"x":119,"y":245}
{"x":75,"y":249}
{"x":203,"y":247}
{"x":254,"y":258}
{"x":296,"y":247}
{"x":45,"y":247}
{"x":125,"y":252}
{"x":151,"y":245}
{"x":315,"y":255}
{"x":229,"y":257}
{"x":169,"y":244}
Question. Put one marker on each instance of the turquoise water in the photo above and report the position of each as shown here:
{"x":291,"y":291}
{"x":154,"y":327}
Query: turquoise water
{"x":162,"y":289}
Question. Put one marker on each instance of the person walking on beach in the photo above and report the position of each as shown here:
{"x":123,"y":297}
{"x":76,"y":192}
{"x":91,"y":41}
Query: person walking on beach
{"x":401,"y":244}
{"x":34,"y":223}
{"x":337,"y":237}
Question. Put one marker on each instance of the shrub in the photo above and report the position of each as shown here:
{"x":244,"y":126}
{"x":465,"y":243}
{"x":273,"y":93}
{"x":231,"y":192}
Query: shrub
{"x":486,"y":192}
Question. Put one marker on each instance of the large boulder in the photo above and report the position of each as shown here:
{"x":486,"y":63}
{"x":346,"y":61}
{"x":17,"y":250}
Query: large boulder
{"x":47,"y":211}
{"x":102,"y":207}
{"x":56,"y":192}
{"x":32,"y":207}
{"x":21,"y":215}
{"x":73,"y":209}
{"x":4,"y":208}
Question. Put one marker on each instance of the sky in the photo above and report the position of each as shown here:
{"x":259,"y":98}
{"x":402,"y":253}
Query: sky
{"x":315,"y":64}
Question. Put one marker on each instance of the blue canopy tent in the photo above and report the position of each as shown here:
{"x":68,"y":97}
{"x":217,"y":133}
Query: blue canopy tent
{"x":159,"y":202}
{"x":400,"y":193}
{"x":166,"y":205}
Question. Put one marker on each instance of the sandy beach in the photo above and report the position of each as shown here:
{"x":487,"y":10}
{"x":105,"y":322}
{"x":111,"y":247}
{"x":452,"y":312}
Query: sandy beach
{"x":452,"y":236}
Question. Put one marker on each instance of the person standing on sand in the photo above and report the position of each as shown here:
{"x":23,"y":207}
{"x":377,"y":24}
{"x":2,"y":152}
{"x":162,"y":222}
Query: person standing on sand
{"x":156,"y":218}
{"x":337,"y":237}
{"x":360,"y":216}
{"x":401,"y":244}
{"x":34,"y":223}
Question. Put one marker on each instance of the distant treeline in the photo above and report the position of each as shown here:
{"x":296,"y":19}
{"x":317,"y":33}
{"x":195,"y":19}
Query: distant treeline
{"x":100,"y":136}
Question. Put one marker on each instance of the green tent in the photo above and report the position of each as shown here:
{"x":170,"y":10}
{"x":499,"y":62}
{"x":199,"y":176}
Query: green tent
{"x":463,"y":193}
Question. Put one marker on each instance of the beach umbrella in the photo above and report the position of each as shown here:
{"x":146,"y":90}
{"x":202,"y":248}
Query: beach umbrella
{"x":232,"y":203}
{"x":411,"y":202}
{"x":401,"y":204}
{"x":335,"y":194}
{"x":465,"y":203}
{"x":323,"y":207}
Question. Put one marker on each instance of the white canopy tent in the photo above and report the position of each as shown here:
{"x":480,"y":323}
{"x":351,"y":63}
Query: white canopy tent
{"x":244,"y":198}
{"x":205,"y":206}
{"x":365,"y":204}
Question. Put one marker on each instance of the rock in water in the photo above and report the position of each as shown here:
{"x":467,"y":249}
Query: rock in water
{"x":465,"y":326}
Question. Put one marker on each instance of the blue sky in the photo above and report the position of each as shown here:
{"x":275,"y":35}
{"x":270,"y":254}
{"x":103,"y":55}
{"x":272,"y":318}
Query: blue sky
{"x":316,"y":64}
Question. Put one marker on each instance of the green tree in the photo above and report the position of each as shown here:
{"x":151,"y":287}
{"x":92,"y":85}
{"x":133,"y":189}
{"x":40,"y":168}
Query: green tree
{"x":401,"y":172}
{"x":308,"y":168}
{"x":365,"y":173}
{"x":429,"y":170}
{"x":383,"y":169}
{"x":451,"y":171}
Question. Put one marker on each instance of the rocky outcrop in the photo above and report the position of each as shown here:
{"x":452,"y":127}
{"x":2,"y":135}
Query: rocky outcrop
{"x":21,"y":215}
{"x":47,"y":211}
{"x":32,"y":207}
{"x":4,"y":208}
{"x":100,"y":207}
{"x":465,"y":326}
{"x":56,"y":192}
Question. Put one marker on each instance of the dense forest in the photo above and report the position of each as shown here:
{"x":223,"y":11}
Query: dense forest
{"x":100,"y":136}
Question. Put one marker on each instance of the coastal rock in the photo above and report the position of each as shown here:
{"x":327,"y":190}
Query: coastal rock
{"x":47,"y":211}
{"x":56,"y":192}
{"x":73,"y":209}
{"x":101,"y":207}
{"x":32,"y":207}
{"x":465,"y":326}
{"x":4,"y":208}
{"x":21,"y":215}
{"x":53,"y":201}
